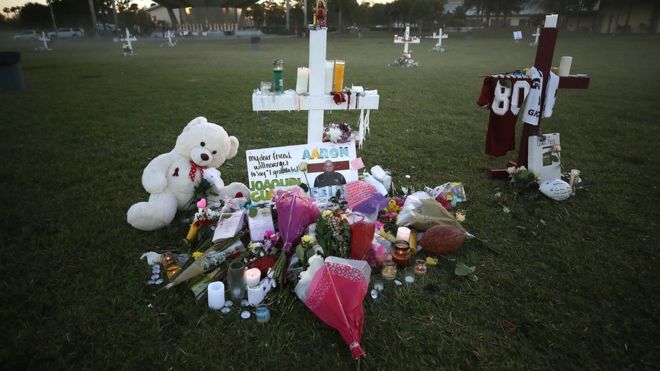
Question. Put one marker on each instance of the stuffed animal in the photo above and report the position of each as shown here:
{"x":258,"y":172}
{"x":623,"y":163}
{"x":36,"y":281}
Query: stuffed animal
{"x":171,"y":177}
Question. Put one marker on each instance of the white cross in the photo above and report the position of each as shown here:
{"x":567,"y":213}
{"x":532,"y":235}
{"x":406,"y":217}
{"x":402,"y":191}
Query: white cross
{"x":170,"y":42}
{"x":536,"y":37}
{"x":316,"y":102}
{"x":406,"y":39}
{"x":128,"y":47}
{"x":439,"y":36}
{"x":45,"y":40}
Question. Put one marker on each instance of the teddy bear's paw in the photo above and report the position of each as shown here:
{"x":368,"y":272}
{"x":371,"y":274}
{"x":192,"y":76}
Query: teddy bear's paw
{"x":149,"y":216}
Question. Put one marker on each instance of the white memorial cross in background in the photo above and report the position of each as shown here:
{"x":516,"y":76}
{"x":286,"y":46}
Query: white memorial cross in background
{"x":316,"y":101}
{"x":45,"y":39}
{"x":128,"y":46}
{"x":439,"y":36}
{"x":170,"y":40}
{"x":536,"y":37}
{"x":405,"y":40}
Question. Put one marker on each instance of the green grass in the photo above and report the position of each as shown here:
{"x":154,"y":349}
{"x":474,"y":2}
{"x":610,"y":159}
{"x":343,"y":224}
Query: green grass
{"x":579,"y":277}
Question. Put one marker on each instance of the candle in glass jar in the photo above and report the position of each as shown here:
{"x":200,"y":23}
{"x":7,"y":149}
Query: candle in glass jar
{"x":338,"y":80}
{"x":329,"y":71}
{"x":389,"y":270}
{"x":403,"y":234}
{"x":252,"y":277}
{"x":263,"y":314}
{"x":302,"y":80}
{"x":420,"y":267}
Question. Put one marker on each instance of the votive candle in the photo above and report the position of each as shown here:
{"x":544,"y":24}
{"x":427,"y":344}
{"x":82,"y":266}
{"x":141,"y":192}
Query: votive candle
{"x":403,"y":234}
{"x":389,"y":270}
{"x":216,"y":295}
{"x":263,"y":314}
{"x":302,"y":80}
{"x":252,"y":277}
{"x":338,"y":80}
{"x":420,"y":267}
{"x":329,"y":74}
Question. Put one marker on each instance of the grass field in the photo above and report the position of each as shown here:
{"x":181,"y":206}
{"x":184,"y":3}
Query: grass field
{"x":579,"y":278}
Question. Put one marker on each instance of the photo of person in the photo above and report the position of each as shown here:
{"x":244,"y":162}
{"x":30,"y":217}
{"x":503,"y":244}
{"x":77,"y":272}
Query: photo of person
{"x":329,"y":177}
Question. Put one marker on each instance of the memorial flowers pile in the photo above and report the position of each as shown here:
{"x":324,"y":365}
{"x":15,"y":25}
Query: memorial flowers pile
{"x":310,"y":248}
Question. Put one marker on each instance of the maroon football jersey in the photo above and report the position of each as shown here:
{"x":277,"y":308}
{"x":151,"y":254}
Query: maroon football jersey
{"x":504,"y":101}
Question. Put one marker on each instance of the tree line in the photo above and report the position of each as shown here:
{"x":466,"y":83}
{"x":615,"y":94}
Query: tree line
{"x":424,"y":14}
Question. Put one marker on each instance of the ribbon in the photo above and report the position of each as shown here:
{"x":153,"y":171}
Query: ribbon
{"x":193,"y":171}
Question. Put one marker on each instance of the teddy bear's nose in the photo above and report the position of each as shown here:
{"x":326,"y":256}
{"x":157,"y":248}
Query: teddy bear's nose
{"x":204,"y":156}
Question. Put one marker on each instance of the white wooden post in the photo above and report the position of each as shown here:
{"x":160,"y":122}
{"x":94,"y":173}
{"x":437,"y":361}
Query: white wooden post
{"x":317,"y":46}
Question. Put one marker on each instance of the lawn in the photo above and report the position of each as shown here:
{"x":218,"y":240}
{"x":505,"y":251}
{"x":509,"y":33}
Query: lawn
{"x":579,"y":279}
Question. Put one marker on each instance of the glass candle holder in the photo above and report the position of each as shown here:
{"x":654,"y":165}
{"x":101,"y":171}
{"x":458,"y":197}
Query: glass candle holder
{"x":278,"y":75}
{"x":409,"y":275}
{"x":378,"y":284}
{"x":401,"y":253}
{"x":236,"y":280}
{"x":263,"y":314}
{"x":420,"y":267}
{"x":389,"y":270}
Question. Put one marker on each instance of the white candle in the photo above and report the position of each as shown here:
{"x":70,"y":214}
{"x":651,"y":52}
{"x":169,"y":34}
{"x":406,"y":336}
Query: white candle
{"x":565,"y":66}
{"x":403,"y":234}
{"x":252,"y":277}
{"x":302,"y":80}
{"x":329,"y":76}
{"x":551,"y":21}
{"x":216,"y":295}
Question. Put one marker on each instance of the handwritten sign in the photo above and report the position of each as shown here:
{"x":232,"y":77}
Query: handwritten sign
{"x":270,"y":168}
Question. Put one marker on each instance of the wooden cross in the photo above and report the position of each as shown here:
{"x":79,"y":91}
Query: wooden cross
{"x":170,"y":42}
{"x":316,"y":101}
{"x":406,"y":39}
{"x":536,"y":37}
{"x":543,"y":62}
{"x":128,"y":47}
{"x":439,"y":36}
{"x":45,"y":40}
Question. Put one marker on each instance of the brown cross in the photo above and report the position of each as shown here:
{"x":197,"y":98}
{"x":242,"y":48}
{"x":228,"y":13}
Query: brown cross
{"x":544,"y":53}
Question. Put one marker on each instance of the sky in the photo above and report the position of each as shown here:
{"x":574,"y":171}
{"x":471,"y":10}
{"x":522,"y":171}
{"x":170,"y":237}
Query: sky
{"x":141,"y":3}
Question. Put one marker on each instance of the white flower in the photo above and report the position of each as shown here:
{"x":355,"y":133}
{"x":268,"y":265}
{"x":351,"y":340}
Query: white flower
{"x":334,"y":134}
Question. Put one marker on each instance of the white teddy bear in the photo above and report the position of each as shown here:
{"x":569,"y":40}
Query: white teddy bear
{"x":171,"y":177}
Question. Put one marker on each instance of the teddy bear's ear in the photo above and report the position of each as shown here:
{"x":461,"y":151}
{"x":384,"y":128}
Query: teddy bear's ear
{"x":233,"y":147}
{"x":196,"y":121}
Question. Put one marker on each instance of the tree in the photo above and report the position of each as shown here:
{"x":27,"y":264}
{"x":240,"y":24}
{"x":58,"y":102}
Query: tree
{"x":33,"y":15}
{"x":497,"y":8}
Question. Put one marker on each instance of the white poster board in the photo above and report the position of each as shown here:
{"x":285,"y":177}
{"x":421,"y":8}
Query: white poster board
{"x":540,"y":157}
{"x":328,"y":169}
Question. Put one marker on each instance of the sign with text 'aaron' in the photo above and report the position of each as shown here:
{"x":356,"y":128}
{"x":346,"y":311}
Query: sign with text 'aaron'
{"x":324,"y":167}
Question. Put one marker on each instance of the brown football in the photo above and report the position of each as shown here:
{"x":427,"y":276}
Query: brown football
{"x":442,"y":239}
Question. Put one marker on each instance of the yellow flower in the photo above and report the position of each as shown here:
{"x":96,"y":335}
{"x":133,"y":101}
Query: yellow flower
{"x":393,"y":207}
{"x":431,"y":261}
{"x":308,"y":241}
{"x":326,"y":213}
{"x":197,"y":254}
